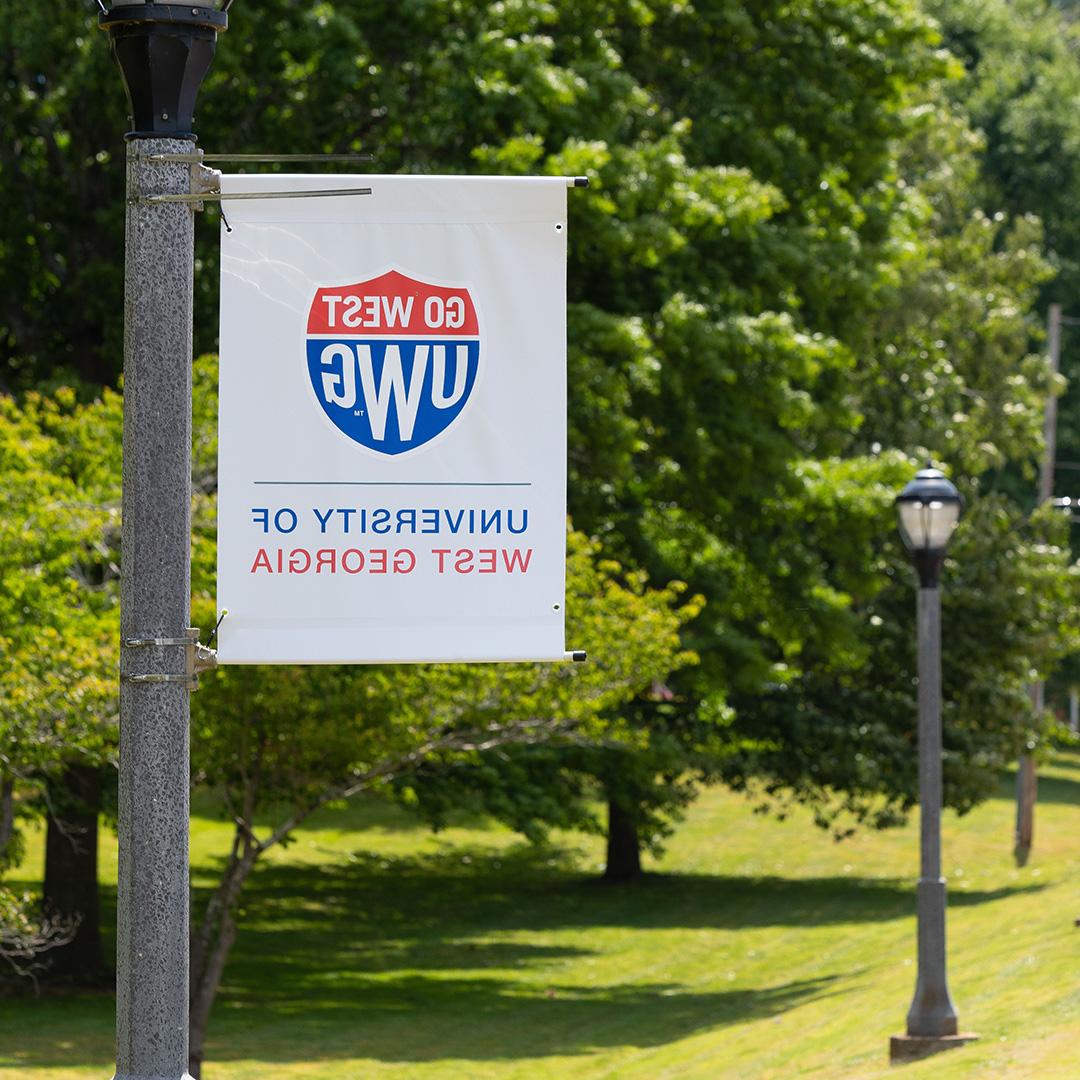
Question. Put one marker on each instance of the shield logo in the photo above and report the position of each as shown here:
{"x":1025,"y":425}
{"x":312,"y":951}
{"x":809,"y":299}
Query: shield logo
{"x":393,"y":361}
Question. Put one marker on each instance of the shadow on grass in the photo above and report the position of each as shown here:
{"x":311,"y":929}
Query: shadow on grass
{"x":450,"y":956}
{"x":457,"y":891}
{"x":1068,"y":759}
{"x":414,"y":1018}
{"x":1059,"y":789}
{"x":487,"y":1019}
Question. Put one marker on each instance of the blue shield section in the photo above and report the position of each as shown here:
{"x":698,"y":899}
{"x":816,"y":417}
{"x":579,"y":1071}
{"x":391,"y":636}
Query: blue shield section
{"x":393,"y":395}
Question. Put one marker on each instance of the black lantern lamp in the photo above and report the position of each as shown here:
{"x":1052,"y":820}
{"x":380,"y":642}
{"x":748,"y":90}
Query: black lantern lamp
{"x":929,"y":508}
{"x":164,"y":52}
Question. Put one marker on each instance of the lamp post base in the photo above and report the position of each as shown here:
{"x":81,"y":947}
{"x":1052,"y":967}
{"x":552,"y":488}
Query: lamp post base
{"x":132,"y":1076}
{"x":912,"y":1047}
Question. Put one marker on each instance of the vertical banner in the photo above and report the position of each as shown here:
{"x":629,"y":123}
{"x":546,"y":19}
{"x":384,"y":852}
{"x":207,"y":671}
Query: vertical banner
{"x":392,"y":437}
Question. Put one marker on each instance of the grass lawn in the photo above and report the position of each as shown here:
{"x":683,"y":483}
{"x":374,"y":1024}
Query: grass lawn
{"x":755,"y":949}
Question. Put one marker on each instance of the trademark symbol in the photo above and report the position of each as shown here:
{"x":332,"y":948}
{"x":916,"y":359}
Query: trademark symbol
{"x":358,"y":412}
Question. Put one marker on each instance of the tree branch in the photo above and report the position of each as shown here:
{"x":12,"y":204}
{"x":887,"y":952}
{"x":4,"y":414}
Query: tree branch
{"x":523,"y":733}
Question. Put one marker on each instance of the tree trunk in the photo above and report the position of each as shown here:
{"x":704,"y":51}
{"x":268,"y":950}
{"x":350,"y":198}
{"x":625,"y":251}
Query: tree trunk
{"x":204,"y":991}
{"x":210,"y":948}
{"x":70,"y":891}
{"x":7,"y":814}
{"x":1027,"y":787}
{"x":623,"y":845}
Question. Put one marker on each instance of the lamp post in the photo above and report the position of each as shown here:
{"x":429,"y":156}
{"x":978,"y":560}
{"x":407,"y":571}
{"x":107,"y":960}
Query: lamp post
{"x":163,"y":51}
{"x":929,"y":508}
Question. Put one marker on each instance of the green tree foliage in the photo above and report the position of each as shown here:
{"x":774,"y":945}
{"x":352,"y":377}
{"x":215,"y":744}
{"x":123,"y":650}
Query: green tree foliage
{"x":842,"y":738}
{"x":61,"y":215}
{"x":1022,"y":75}
{"x":785,"y":275}
{"x":1022,"y":78}
{"x":53,"y":627}
{"x":944,"y":368}
{"x":278,"y":743}
{"x":274,"y":743}
{"x":56,"y":639}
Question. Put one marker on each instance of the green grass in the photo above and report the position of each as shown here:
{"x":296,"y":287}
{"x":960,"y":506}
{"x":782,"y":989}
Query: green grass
{"x":757,"y":949}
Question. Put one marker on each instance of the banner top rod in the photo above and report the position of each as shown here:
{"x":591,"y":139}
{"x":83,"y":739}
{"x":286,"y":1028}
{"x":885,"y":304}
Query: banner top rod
{"x":198,"y":155}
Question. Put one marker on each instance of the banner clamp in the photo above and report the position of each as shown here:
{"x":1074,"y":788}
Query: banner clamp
{"x":199,"y":658}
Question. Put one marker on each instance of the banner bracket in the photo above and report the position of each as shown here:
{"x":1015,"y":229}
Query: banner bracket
{"x":206,"y":187}
{"x":217,"y":196}
{"x":200,"y":156}
{"x":199,"y":658}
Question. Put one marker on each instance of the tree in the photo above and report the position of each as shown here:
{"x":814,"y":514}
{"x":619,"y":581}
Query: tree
{"x":722,"y":296}
{"x":848,"y":223}
{"x":712,"y":267}
{"x":278,"y":743}
{"x":785,"y":221}
{"x":1021,"y":70}
{"x":69,"y":891}
{"x":286,"y":741}
{"x":61,"y":216}
{"x":86,"y":448}
{"x":842,"y":738}
{"x":753,"y":228}
{"x":58,"y":715}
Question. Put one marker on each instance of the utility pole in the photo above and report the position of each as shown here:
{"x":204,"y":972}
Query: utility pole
{"x":1026,"y":778}
{"x":164,"y":51}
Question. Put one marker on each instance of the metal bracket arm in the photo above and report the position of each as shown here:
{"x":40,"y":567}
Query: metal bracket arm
{"x":198,"y":155}
{"x":198,"y":658}
{"x":206,"y":187}
{"x":206,"y":182}
{"x":198,"y":200}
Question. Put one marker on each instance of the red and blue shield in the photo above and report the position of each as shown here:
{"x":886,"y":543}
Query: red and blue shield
{"x":393,"y":361}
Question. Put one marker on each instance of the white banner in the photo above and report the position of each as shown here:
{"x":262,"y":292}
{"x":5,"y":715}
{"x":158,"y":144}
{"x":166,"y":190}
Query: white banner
{"x":392,"y":443}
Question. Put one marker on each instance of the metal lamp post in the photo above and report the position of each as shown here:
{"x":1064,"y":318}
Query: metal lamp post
{"x":164,"y":51}
{"x":929,"y":508}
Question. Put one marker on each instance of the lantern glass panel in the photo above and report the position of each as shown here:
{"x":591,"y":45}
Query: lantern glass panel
{"x":927,"y":526}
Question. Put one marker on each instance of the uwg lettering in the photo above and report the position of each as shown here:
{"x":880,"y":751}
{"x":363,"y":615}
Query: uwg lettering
{"x":392,"y":361}
{"x":392,"y":396}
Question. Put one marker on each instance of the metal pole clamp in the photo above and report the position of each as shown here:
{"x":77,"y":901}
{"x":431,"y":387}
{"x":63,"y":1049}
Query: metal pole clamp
{"x":198,"y":658}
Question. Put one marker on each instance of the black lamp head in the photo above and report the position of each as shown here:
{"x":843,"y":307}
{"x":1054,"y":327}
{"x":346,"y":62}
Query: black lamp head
{"x":164,"y":52}
{"x":928,"y":508}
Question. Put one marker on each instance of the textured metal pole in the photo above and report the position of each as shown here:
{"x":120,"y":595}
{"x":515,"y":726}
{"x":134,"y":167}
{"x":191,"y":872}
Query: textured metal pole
{"x":152,"y":892}
{"x":932,"y":1012}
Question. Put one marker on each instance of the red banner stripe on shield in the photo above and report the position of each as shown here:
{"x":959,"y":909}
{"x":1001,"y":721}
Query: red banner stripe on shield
{"x":390,"y":305}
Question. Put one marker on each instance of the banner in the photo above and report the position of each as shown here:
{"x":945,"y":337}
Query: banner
{"x":392,"y":436}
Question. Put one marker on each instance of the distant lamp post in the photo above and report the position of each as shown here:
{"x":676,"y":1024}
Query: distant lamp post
{"x":929,"y":508}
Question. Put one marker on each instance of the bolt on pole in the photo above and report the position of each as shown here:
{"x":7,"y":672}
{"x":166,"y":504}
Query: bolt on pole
{"x":164,"y":51}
